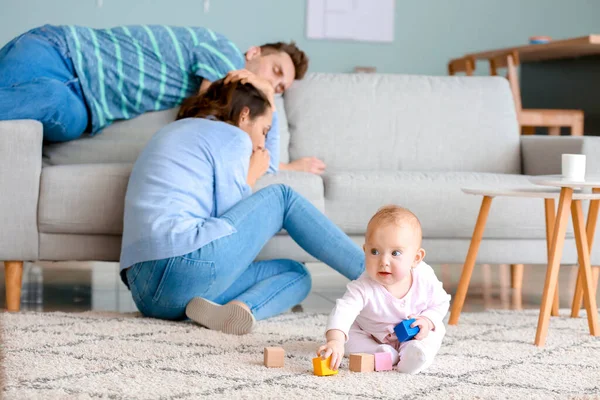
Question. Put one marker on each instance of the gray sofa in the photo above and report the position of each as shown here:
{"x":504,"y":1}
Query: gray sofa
{"x":410,"y":140}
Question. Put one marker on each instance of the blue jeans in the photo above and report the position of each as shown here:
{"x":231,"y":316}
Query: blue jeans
{"x":225,"y":270}
{"x":38,"y":81}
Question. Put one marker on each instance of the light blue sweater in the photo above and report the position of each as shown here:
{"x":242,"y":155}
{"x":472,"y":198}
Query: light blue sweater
{"x":191,"y":172}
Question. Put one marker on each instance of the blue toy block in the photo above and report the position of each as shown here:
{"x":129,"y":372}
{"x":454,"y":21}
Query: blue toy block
{"x":404,"y":332}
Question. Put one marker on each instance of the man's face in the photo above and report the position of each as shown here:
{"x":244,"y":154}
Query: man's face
{"x":276,"y":67}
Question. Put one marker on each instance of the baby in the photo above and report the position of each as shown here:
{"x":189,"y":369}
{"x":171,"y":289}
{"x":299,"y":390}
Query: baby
{"x":396,"y":285}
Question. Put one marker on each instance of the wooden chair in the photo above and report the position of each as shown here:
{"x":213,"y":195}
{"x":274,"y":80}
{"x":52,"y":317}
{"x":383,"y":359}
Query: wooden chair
{"x":465,"y":64}
{"x":531,"y":118}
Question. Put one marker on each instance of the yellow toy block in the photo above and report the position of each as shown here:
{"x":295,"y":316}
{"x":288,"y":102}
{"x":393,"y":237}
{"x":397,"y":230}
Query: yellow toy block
{"x":321,"y":367}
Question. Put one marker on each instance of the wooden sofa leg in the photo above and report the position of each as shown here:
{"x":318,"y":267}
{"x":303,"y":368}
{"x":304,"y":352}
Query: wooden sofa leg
{"x":13,"y":274}
{"x":516,"y":276}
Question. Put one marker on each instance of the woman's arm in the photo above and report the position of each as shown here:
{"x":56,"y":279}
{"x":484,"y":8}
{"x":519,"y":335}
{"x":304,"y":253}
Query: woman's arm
{"x":272,"y":144}
{"x":259,"y":163}
{"x":231,"y":174}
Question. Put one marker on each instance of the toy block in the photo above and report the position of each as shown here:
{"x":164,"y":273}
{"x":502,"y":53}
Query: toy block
{"x":383,"y":361}
{"x":321,"y":367}
{"x":404,"y":332}
{"x":274,"y":357}
{"x":362,"y":362}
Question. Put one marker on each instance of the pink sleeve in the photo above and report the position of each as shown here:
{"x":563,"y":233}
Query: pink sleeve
{"x":348,"y":307}
{"x":439,"y":301}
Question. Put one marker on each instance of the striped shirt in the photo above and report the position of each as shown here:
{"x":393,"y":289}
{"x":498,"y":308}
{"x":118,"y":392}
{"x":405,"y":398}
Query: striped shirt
{"x":129,"y":70}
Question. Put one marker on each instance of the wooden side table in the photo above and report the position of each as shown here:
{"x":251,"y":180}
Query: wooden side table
{"x":550,"y":289}
{"x":569,"y":200}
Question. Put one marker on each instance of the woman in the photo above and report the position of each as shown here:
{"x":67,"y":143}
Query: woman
{"x":192,"y":227}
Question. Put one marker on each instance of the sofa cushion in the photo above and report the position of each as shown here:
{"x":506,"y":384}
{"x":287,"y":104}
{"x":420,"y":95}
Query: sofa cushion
{"x":89,"y":199}
{"x":438,"y":201}
{"x":308,"y":185}
{"x":83,"y":198}
{"x":401,"y":122}
{"x":123,"y":141}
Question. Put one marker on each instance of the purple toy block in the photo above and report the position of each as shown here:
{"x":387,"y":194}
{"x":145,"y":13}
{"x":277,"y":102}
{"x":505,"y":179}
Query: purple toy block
{"x":383,"y":361}
{"x":404,"y":332}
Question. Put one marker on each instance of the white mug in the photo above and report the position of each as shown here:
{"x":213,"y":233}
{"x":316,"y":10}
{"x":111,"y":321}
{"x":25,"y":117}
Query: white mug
{"x":573,"y":166}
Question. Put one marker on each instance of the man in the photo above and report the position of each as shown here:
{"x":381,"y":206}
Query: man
{"x":76,"y":79}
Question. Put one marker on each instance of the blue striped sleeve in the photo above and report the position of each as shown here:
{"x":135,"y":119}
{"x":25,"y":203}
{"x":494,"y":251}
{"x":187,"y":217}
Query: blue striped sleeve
{"x":214,"y":59}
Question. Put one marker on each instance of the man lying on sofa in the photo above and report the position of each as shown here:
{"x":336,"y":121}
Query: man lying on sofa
{"x":76,"y":79}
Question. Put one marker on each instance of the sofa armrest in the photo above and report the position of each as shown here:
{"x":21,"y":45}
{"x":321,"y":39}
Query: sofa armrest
{"x":20,"y":169}
{"x":542,"y":154}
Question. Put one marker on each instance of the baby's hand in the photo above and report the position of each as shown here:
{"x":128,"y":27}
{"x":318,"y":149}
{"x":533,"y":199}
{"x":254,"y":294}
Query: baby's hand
{"x":424,"y":324}
{"x":335,"y":349}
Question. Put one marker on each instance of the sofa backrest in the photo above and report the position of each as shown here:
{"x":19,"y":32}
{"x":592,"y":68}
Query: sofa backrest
{"x":123,"y":141}
{"x":403,"y":122}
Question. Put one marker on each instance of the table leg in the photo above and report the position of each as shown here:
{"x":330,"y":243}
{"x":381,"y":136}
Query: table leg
{"x":558,"y":241}
{"x":465,"y":277}
{"x":590,"y":229}
{"x":583,"y":253}
{"x":550,"y":209}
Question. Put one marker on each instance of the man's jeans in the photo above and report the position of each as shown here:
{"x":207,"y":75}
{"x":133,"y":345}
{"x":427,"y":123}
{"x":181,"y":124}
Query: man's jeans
{"x":38,"y":81}
{"x":224,"y":270}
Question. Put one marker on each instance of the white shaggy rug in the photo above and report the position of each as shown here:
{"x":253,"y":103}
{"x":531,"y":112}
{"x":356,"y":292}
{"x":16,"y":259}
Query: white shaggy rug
{"x":117,"y":356}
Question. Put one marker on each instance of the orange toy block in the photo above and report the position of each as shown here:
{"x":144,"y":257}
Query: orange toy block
{"x":362,"y":362}
{"x":274,"y":357}
{"x":321,"y":367}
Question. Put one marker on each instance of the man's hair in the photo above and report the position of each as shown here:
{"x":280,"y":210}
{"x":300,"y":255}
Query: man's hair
{"x":299,"y":58}
{"x":392,"y":214}
{"x":225,"y":102}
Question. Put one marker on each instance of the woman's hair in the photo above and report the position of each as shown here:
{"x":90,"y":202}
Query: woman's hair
{"x":225,"y":102}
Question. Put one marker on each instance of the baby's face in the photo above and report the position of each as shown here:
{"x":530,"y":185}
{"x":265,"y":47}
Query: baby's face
{"x":390,"y":252}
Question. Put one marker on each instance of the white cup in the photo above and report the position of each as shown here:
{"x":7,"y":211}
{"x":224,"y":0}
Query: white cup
{"x":573,"y":166}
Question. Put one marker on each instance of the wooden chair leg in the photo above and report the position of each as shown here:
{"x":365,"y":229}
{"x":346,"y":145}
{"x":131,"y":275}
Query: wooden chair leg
{"x":583,"y":255}
{"x":465,"y":277}
{"x":558,"y":241}
{"x":554,"y":130}
{"x":528,"y":130}
{"x":13,"y":274}
{"x":577,"y":129}
{"x":590,"y":230}
{"x":516,"y":276}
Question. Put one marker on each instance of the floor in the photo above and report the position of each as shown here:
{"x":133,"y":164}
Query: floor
{"x":85,"y":286}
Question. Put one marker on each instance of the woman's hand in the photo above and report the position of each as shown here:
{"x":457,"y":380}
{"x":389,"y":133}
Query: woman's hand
{"x":259,"y":164}
{"x":335,"y":349}
{"x":245,"y":76}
